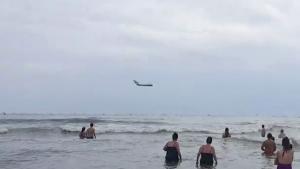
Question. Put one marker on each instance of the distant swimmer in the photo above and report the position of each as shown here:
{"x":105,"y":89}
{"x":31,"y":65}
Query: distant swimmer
{"x":207,"y":153}
{"x":268,"y":146}
{"x":82,"y":134}
{"x":90,"y":132}
{"x":284,"y":158}
{"x":173,"y":154}
{"x":282,"y":134}
{"x":263,"y":131}
{"x":226,"y":134}
{"x":146,"y":85}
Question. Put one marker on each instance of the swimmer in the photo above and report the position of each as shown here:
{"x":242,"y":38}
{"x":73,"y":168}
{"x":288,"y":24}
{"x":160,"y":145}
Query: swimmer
{"x":226,"y":134}
{"x":207,"y":153}
{"x":82,"y":134}
{"x":282,"y":134}
{"x":90,"y":132}
{"x":173,"y":154}
{"x":263,"y":131}
{"x":268,"y":146}
{"x":284,"y":157}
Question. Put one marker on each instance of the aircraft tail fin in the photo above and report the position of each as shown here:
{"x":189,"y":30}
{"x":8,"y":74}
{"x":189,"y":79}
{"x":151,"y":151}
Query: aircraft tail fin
{"x":137,"y":83}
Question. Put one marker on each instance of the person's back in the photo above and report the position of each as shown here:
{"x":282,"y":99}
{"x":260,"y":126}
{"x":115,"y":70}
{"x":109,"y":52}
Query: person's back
{"x":282,"y":134}
{"x":263,"y":131}
{"x":82,"y":134}
{"x":207,"y":153}
{"x":284,"y":157}
{"x":268,"y":146}
{"x":172,"y":149}
{"x":90,"y":132}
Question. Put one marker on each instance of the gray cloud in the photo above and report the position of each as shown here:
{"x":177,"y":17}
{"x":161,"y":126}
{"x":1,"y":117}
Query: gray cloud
{"x":203,"y":56}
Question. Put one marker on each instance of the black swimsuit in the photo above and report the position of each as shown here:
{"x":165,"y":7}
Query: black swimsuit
{"x":172,"y":155}
{"x":206,"y":159}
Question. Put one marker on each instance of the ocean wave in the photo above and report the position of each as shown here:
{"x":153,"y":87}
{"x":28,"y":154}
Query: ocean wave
{"x":69,"y":129}
{"x":79,"y":120}
{"x":3,"y":130}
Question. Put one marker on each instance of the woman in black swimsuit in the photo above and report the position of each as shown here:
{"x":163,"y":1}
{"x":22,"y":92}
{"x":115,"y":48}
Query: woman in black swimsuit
{"x":173,"y":154}
{"x":207,"y":153}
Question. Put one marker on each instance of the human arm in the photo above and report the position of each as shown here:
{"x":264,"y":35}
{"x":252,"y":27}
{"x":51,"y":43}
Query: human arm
{"x":198,"y":155}
{"x":94,"y":133}
{"x":178,"y":151}
{"x":263,"y":146}
{"x":214,"y":155}
{"x":165,"y":147}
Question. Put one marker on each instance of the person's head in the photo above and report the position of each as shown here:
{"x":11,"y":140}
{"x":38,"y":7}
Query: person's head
{"x":175,"y":136}
{"x":226,"y":130}
{"x":209,"y":140}
{"x":269,"y":136}
{"x":286,"y":143}
{"x":91,"y":124}
{"x":281,"y":131}
{"x":83,"y":128}
{"x":262,"y":126}
{"x":273,"y":138}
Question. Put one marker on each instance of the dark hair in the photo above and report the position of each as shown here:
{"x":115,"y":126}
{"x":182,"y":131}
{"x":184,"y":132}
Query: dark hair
{"x":286,"y":143}
{"x":269,"y":135}
{"x":281,"y":130}
{"x":209,"y":140}
{"x":91,"y":124}
{"x":226,"y":129}
{"x":273,"y":138}
{"x":263,"y":126}
{"x":175,"y":136}
{"x":83,"y":128}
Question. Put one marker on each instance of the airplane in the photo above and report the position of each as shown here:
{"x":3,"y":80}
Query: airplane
{"x":138,"y":84}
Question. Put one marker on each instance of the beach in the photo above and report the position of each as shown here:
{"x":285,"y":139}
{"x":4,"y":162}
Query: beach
{"x":50,"y":141}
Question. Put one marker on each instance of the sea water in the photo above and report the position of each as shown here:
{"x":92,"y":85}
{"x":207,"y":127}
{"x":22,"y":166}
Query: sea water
{"x":50,"y":141}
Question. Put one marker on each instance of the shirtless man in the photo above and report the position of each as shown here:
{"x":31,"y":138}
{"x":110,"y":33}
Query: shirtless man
{"x":268,"y":146}
{"x":90,"y":132}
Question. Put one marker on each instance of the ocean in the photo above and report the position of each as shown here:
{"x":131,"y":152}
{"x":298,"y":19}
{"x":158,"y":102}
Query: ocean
{"x":50,"y":141}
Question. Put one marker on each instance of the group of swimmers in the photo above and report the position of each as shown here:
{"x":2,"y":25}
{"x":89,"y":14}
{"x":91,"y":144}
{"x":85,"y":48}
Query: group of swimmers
{"x":90,"y":133}
{"x":207,"y":154}
{"x":284,"y":157}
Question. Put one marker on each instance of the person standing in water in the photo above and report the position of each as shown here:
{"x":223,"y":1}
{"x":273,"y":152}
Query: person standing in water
{"x":207,"y":153}
{"x":263,"y":131}
{"x":284,"y":157}
{"x":282,"y":134}
{"x":226,"y":134}
{"x":90,"y":132}
{"x":173,"y":154}
{"x":268,"y":146}
{"x":82,"y":134}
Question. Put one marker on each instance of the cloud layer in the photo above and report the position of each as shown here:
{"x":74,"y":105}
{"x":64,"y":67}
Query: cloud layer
{"x":222,"y":57}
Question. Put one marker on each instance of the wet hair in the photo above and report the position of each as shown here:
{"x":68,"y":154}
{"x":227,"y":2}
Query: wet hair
{"x":286,"y":143}
{"x":175,"y":136}
{"x":209,"y":140}
{"x":273,"y":138}
{"x":269,"y":136}
{"x":91,"y":124}
{"x":83,"y":128}
{"x":263,"y":126}
{"x":226,"y":129}
{"x":281,"y":130}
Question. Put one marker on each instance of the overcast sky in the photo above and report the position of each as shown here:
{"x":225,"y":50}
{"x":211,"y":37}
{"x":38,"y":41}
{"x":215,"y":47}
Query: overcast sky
{"x":203,"y":56}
